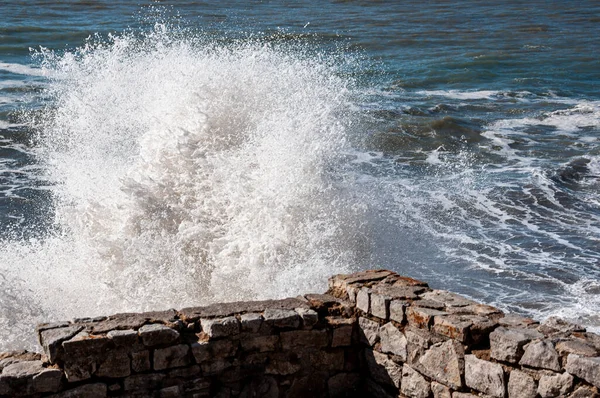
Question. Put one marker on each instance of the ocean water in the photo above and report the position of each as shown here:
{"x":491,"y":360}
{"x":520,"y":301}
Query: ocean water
{"x":167,"y":154}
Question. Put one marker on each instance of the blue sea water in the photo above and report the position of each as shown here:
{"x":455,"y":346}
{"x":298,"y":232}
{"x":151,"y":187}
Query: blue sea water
{"x":165,"y":154}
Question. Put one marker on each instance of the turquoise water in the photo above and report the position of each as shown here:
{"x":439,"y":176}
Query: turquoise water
{"x":176,"y":153}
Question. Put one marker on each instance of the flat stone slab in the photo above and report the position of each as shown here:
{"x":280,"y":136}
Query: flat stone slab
{"x":130,"y":321}
{"x":221,"y":327}
{"x":157,"y":334}
{"x":51,"y":340}
{"x":282,"y":318}
{"x":228,"y":309}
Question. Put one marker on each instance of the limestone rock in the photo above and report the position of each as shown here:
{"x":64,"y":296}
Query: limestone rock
{"x":521,"y":385}
{"x":52,"y":339}
{"x":123,"y":338}
{"x":541,"y":354}
{"x":418,"y":341}
{"x":554,"y":325}
{"x":454,"y":326}
{"x":260,"y":343}
{"x":393,"y":341}
{"x":382,"y":369}
{"x":157,"y":334}
{"x":332,"y":361}
{"x":440,"y":390}
{"x":251,"y":322}
{"x":555,"y":385}
{"x":221,"y":327}
{"x":444,"y":363}
{"x":96,"y":390}
{"x":422,"y":318}
{"x":342,"y":330}
{"x":368,"y":330}
{"x":171,"y":357}
{"x":116,"y":364}
{"x":304,"y":338}
{"x":585,"y":392}
{"x":484,"y":376}
{"x":282,"y":318}
{"x":48,"y":380}
{"x":140,"y":361}
{"x":282,"y":364}
{"x":576,"y":346}
{"x":507,"y":344}
{"x":309,"y":317}
{"x":143,"y":382}
{"x":208,"y":350}
{"x":397,"y":310}
{"x":414,"y":384}
{"x":447,"y":299}
{"x":219,"y":310}
{"x":586,"y":368}
{"x":516,"y":321}
{"x":363,"y":300}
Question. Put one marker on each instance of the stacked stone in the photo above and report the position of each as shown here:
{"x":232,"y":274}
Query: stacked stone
{"x":292,"y":347}
{"x":419,"y":342}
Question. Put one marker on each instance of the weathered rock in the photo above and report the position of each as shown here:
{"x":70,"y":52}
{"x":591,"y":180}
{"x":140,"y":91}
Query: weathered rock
{"x":342,"y":330}
{"x":521,"y":385}
{"x":157,"y":334}
{"x":116,"y":364}
{"x":507,"y":344}
{"x":414,"y":384}
{"x":484,"y":376}
{"x":313,"y":385}
{"x":170,"y":392}
{"x":380,"y":305}
{"x":382,"y":295}
{"x":585,"y":392}
{"x":260,"y":343}
{"x":304,"y":338}
{"x":397,"y":310}
{"x":576,"y":346}
{"x":541,"y":354}
{"x":96,"y":390}
{"x":374,"y":389}
{"x":421,"y":317}
{"x":48,"y":380}
{"x":457,"y":394}
{"x":282,"y":365}
{"x":393,"y":341}
{"x":208,"y":350}
{"x":418,"y":341}
{"x":52,"y":339}
{"x":222,"y":327}
{"x":448,"y":299}
{"x":454,"y":326}
{"x":219,"y":310}
{"x":555,"y":385}
{"x":251,"y":322}
{"x":475,"y":309}
{"x":339,"y":283}
{"x":586,"y":368}
{"x":363,"y":300}
{"x":444,"y":363}
{"x":368,"y":331}
{"x":440,"y":390}
{"x":282,"y":318}
{"x":554,"y":325}
{"x":215,"y":367}
{"x":28,"y":377}
{"x":322,"y":360}
{"x":382,"y":369}
{"x":171,"y":357}
{"x":140,"y":361}
{"x":130,"y":321}
{"x":143,"y":382}
{"x":123,"y":338}
{"x":309,"y":317}
{"x":343,"y":385}
{"x":516,"y":321}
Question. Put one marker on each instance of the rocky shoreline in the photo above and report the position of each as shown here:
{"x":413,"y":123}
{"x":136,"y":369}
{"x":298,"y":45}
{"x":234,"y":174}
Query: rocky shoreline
{"x":374,"y":333}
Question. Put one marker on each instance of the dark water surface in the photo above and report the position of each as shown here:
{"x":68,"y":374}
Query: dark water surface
{"x":165,"y":153}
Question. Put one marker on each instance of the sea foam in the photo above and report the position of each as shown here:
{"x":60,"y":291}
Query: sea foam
{"x":184,"y":171}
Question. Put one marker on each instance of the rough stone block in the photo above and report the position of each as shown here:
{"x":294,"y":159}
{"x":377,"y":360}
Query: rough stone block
{"x":260,"y":343}
{"x":215,"y":367}
{"x":208,"y":350}
{"x":454,"y":326}
{"x":368,"y":330}
{"x":140,"y":361}
{"x":516,"y":321}
{"x":332,"y":361}
{"x":521,"y":385}
{"x":587,"y":369}
{"x":352,"y":291}
{"x":116,"y":364}
{"x":382,"y":369}
{"x":585,"y":392}
{"x":157,"y":334}
{"x":457,"y":394}
{"x":414,"y":384}
{"x":171,"y":357}
{"x":418,"y":341}
{"x":342,"y":330}
{"x":422,"y":318}
{"x":363,"y":300}
{"x":170,"y":392}
{"x":29,"y":377}
{"x":282,"y":364}
{"x":309,"y":317}
{"x":554,"y":325}
{"x":47,"y":380}
{"x":51,"y":339}
{"x":555,"y":385}
{"x":576,"y":346}
{"x":448,"y":299}
{"x":440,"y":390}
{"x":541,"y":354}
{"x":251,"y":322}
{"x":393,"y":341}
{"x":220,"y":327}
{"x":282,"y":318}
{"x":380,"y":305}
{"x":397,"y":310}
{"x":343,"y":385}
{"x":304,"y":338}
{"x":123,"y":338}
{"x":507,"y":344}
{"x":484,"y":376}
{"x":444,"y":363}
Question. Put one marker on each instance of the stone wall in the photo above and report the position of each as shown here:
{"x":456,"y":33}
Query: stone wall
{"x":373,"y":333}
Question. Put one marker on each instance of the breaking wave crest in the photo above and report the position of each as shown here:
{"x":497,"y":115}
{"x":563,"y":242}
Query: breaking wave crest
{"x":185,"y":171}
